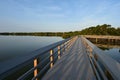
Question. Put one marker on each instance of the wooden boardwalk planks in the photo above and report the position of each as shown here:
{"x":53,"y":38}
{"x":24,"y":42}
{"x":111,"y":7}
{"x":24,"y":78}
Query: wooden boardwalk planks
{"x":73,"y":65}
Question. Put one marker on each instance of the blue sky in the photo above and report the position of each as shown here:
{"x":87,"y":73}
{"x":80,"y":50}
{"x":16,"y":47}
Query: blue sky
{"x":57,"y":15}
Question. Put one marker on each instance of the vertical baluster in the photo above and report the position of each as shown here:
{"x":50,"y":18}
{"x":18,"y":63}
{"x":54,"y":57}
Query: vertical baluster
{"x":68,"y":44}
{"x":64,"y":47}
{"x":51,"y":58}
{"x":35,"y":64}
{"x":58,"y":52}
{"x":90,"y":50}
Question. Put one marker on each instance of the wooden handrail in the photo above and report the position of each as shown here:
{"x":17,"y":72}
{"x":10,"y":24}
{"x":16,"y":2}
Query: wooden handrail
{"x":9,"y":67}
{"x":112,"y":67}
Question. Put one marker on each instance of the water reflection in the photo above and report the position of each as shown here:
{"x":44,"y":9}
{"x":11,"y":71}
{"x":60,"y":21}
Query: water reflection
{"x":13,"y":46}
{"x":112,"y":50}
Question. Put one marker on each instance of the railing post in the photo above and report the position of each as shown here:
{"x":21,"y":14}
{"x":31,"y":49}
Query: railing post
{"x":35,"y":64}
{"x":68,"y":44}
{"x":64,"y":47}
{"x":71,"y":41}
{"x":63,"y":50}
{"x":90,"y":50}
{"x":58,"y":52}
{"x":96,"y":40}
{"x":51,"y":58}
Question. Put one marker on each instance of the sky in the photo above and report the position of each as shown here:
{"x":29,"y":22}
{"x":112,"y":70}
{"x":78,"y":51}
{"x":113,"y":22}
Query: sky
{"x":57,"y":15}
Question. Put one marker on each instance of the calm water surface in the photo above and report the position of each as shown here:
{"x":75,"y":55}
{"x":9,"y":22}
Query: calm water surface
{"x":13,"y":46}
{"x":112,"y":50}
{"x":114,"y":53}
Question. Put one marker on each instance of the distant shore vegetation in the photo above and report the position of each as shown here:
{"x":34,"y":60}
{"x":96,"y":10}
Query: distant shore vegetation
{"x":104,"y":29}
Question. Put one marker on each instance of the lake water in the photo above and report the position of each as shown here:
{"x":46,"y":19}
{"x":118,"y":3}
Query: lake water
{"x":114,"y":53}
{"x":111,"y":50}
{"x":13,"y":46}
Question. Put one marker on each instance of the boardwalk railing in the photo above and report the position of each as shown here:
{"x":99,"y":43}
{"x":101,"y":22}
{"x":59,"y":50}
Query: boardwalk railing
{"x":102,"y":36}
{"x":103,"y":39}
{"x":34,"y":65}
{"x":104,"y":66}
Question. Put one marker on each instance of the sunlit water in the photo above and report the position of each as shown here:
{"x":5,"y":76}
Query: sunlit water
{"x":14,"y":46}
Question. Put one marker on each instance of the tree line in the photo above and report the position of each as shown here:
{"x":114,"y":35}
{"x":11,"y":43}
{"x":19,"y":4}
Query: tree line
{"x":104,"y":29}
{"x":33,"y":33}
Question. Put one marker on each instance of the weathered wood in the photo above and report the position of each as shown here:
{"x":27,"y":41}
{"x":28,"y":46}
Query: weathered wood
{"x":35,"y":64}
{"x":51,"y":58}
{"x":73,"y":65}
{"x":111,"y":65}
{"x":102,"y":36}
{"x":19,"y":62}
{"x":58,"y":52}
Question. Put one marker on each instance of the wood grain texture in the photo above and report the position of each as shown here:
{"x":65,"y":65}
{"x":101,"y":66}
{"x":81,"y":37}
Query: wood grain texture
{"x":73,"y":65}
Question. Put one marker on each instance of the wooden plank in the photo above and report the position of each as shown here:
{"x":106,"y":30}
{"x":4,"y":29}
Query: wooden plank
{"x":73,"y":65}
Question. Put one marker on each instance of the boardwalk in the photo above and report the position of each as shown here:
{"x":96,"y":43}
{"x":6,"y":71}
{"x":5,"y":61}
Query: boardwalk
{"x":104,"y":39}
{"x":75,"y":58}
{"x":74,"y":65}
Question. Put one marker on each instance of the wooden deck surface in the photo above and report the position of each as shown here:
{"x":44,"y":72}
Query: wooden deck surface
{"x":73,"y":65}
